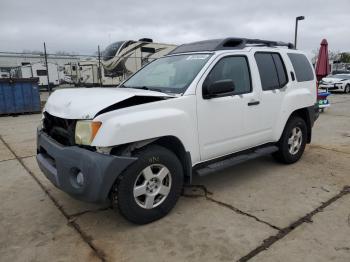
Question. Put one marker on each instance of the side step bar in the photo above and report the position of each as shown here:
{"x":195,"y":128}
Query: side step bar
{"x":236,"y":159}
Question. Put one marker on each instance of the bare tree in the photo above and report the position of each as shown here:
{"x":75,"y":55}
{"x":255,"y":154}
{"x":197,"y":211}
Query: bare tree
{"x":332,"y":55}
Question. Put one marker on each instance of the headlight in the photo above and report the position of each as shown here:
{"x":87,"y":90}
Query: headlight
{"x":85,"y":131}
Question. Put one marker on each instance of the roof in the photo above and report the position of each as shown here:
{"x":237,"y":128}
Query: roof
{"x":226,"y":44}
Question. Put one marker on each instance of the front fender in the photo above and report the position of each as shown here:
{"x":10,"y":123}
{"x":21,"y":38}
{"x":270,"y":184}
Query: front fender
{"x":173,"y":117}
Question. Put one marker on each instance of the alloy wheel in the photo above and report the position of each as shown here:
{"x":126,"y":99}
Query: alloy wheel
{"x":295,"y":140}
{"x":152,"y":186}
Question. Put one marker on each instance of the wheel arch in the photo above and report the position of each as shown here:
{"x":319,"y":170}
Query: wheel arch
{"x":174,"y":144}
{"x":307,"y":115}
{"x":171,"y":143}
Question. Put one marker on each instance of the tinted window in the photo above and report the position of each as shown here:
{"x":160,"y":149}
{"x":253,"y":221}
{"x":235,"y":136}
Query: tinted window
{"x":267,"y":70}
{"x":234,"y":68}
{"x":111,"y":50}
{"x":302,"y":67}
{"x":281,"y":71}
{"x":272,"y":71}
{"x":340,"y":76}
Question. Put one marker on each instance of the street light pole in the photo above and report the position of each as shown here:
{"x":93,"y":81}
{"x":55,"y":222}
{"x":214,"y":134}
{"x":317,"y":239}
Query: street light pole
{"x":297,"y":19}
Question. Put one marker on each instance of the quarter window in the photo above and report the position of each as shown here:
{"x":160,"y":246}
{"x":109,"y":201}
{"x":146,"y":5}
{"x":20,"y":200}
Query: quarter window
{"x":234,"y":68}
{"x":302,"y":67}
{"x":272,"y":70}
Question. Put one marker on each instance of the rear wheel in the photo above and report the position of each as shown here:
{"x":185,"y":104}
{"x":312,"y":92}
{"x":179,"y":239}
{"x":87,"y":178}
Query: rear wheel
{"x":347,"y":89}
{"x":150,"y":188}
{"x":292,"y":142}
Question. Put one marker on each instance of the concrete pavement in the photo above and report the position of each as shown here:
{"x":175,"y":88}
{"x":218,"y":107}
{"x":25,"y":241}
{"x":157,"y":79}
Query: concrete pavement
{"x":259,"y":210}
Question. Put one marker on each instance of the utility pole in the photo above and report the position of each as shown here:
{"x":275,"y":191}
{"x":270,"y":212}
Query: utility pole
{"x":297,"y":19}
{"x":99,"y":66}
{"x":47,"y":70}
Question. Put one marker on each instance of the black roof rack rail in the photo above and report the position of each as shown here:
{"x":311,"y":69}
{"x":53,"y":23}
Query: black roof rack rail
{"x":227,"y":44}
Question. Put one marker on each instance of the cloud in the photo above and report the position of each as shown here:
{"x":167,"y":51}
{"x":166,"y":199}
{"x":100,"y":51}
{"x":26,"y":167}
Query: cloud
{"x":80,"y":26}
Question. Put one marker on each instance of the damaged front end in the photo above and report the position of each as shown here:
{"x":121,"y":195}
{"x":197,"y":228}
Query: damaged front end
{"x":60,"y":129}
{"x":66,"y":110}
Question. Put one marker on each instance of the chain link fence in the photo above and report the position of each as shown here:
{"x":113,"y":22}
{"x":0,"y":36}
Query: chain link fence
{"x":64,"y":70}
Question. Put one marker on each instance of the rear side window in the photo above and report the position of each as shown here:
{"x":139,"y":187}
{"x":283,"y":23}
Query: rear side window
{"x":281,"y":72}
{"x":302,"y":67}
{"x":235,"y":68}
{"x":272,"y":70}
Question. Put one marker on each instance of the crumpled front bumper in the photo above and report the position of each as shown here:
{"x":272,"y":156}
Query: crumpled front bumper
{"x":61,"y":164}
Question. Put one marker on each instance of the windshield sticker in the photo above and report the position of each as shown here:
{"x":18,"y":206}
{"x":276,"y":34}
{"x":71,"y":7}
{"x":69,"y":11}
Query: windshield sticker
{"x":197,"y":57}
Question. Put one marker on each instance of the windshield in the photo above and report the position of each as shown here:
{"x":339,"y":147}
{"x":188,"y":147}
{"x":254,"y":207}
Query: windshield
{"x":172,"y":74}
{"x":111,"y":50}
{"x":340,"y":76}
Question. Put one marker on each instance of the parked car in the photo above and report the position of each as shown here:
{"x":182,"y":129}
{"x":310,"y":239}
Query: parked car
{"x":339,"y":82}
{"x":205,"y":106}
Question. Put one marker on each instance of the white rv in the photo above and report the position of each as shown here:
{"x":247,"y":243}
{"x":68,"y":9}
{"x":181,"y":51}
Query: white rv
{"x":39,"y":70}
{"x":86,"y":73}
{"x":71,"y":72}
{"x":119,"y":61}
{"x":122,"y":59}
{"x":4,"y":73}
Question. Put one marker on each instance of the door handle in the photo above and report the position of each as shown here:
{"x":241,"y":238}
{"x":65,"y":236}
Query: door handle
{"x":253,"y":103}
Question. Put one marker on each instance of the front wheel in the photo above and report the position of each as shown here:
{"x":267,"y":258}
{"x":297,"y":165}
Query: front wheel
{"x":150,"y":188}
{"x":347,"y":89}
{"x":292,"y":142}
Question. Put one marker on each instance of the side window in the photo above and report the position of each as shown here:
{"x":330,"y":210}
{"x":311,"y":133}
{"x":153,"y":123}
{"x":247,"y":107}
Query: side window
{"x":235,"y":68}
{"x":272,"y":70}
{"x":302,"y":67}
{"x":281,"y":71}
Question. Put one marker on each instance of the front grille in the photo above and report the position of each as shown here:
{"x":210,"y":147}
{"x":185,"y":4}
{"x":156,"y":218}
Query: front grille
{"x":60,"y":129}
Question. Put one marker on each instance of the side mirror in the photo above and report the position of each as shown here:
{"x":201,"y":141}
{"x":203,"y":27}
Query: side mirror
{"x":219,"y":88}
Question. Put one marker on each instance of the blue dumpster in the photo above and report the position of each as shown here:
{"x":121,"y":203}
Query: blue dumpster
{"x":19,"y":95}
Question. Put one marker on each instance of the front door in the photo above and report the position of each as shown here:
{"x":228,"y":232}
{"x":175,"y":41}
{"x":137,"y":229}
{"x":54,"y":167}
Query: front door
{"x":222,"y":121}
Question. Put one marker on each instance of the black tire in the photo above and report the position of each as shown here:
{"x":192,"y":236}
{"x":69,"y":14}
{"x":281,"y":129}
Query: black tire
{"x":152,"y":155}
{"x":347,"y":89}
{"x":283,"y":154}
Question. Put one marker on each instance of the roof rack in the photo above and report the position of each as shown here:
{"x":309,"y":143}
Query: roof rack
{"x":227,"y":44}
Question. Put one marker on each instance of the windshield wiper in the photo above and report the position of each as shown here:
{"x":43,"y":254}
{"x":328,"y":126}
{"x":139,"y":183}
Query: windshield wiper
{"x":146,"y":88}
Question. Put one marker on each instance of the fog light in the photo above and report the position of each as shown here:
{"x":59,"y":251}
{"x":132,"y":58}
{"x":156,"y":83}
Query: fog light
{"x":80,"y":179}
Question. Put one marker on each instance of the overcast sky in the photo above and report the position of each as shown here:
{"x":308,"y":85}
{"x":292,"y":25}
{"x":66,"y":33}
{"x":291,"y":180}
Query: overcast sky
{"x":81,"y":25}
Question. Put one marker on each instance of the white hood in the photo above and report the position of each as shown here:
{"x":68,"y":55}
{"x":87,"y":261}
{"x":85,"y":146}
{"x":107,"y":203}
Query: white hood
{"x":83,"y":103}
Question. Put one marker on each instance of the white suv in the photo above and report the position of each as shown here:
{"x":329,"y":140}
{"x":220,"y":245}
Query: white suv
{"x":205,"y":106}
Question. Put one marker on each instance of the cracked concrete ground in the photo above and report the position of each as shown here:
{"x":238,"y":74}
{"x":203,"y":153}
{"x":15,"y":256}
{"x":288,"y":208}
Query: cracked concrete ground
{"x":259,"y":210}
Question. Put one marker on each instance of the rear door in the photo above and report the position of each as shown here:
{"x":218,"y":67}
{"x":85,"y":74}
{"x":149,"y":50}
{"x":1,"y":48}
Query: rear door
{"x":274,"y":83}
